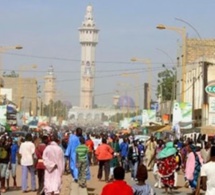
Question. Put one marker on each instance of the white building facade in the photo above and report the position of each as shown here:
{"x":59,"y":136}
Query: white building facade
{"x":200,"y":71}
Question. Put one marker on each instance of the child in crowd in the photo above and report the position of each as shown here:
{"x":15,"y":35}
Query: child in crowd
{"x":141,"y":188}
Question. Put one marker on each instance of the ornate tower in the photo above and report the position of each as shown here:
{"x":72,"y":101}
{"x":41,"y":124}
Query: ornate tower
{"x":49,"y":88}
{"x":88,"y":35}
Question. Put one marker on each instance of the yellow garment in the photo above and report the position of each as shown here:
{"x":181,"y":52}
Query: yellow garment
{"x":177,"y":159}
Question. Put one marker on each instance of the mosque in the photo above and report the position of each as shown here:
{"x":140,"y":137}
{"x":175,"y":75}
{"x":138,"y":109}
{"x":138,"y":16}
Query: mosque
{"x":86,"y":113}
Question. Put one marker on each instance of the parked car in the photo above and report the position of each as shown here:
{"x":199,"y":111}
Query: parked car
{"x":143,"y":138}
{"x":18,"y":133}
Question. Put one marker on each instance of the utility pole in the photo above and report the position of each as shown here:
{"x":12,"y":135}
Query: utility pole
{"x":204,"y":94}
{"x":146,"y":96}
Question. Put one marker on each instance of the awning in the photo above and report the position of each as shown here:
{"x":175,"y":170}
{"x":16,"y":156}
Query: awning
{"x":209,"y":130}
{"x":166,"y":128}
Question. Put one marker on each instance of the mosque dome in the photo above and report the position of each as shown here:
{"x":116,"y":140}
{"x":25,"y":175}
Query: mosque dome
{"x":126,"y":102}
{"x":67,"y":104}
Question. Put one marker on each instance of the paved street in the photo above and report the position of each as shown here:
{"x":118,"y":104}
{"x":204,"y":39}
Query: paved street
{"x":94,"y":186}
{"x":65,"y":188}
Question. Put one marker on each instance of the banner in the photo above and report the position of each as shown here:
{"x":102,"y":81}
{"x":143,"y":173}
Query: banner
{"x":148,"y":116}
{"x":125,"y":123}
{"x":3,"y":115}
{"x":7,"y":93}
{"x":182,"y":113}
{"x":211,"y":109}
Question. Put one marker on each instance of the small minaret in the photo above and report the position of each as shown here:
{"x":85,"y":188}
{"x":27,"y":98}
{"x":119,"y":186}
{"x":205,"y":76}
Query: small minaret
{"x":88,"y":35}
{"x":116,"y":99}
{"x":49,"y":88}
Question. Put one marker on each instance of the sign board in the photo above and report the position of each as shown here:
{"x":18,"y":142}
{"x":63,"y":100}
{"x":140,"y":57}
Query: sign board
{"x":212,"y":104}
{"x":211,"y":119}
{"x":148,"y":116}
{"x":210,"y":88}
{"x":7,"y":93}
{"x":182,"y":112}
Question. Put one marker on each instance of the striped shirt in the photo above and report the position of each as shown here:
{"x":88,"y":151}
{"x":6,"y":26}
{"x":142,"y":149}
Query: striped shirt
{"x":82,"y":151}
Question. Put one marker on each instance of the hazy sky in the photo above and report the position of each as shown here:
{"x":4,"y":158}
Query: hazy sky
{"x":48,"y":32}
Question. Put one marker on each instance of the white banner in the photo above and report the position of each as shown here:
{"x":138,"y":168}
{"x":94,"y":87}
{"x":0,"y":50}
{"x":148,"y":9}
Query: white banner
{"x":148,"y":116}
{"x":182,"y":113}
{"x":212,"y":104}
{"x":3,"y":115}
{"x":7,"y":93}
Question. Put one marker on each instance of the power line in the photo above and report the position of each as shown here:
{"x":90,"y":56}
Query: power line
{"x":78,"y":60}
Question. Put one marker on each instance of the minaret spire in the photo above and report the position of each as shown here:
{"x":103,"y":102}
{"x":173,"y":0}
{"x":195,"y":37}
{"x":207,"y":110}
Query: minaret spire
{"x":88,"y":34}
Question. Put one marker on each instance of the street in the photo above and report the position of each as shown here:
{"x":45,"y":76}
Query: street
{"x":95,"y":186}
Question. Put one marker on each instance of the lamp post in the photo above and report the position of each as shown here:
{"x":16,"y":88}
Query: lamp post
{"x":149,"y":63}
{"x":182,"y":32}
{"x":205,"y":112}
{"x":4,"y":49}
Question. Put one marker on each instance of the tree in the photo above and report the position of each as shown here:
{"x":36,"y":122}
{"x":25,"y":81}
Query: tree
{"x":166,"y":84}
{"x":12,"y":74}
{"x":57,"y":109}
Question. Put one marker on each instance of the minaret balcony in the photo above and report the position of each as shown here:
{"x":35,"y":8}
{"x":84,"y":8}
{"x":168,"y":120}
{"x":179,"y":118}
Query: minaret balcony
{"x":87,"y":90}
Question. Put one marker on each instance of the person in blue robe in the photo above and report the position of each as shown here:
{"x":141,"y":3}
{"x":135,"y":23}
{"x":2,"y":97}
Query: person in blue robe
{"x":71,"y":154}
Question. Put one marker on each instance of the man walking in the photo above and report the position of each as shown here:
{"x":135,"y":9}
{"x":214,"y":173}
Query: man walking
{"x":53,"y":159}
{"x":71,"y":152}
{"x":39,"y":165}
{"x":26,"y":151}
{"x":207,"y":175}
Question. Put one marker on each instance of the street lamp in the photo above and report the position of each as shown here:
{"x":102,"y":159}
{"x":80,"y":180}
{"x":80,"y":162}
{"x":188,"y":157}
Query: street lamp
{"x":5,"y":49}
{"x":182,"y":32}
{"x":149,"y":63}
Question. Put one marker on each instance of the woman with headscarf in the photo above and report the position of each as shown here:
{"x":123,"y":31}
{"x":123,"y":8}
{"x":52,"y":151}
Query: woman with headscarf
{"x":167,"y":165}
{"x":193,"y":166}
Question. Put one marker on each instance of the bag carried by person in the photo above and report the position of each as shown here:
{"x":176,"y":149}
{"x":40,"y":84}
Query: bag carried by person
{"x":3,"y":153}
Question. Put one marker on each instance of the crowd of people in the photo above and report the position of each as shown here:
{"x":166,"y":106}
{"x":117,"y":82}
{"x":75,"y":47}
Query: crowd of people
{"x":48,"y":156}
{"x":165,"y":158}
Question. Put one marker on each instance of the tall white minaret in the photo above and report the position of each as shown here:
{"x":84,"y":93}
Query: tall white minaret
{"x":88,"y":35}
{"x":49,"y":88}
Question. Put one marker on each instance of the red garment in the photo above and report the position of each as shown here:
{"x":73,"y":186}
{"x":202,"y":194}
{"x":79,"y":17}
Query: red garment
{"x":166,"y":168}
{"x":89,"y":143}
{"x":39,"y":153}
{"x":104,"y":152}
{"x":117,"y":187}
